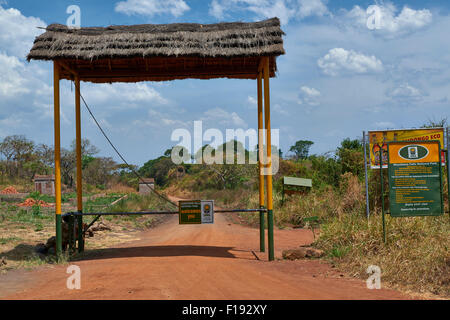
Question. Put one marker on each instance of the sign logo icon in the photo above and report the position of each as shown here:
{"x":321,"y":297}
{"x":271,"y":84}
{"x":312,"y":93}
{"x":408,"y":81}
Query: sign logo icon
{"x":413,"y":152}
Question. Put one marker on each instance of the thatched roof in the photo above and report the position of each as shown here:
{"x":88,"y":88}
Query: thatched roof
{"x":162,"y":52}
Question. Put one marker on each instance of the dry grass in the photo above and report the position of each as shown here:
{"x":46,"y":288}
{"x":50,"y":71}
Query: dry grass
{"x":121,"y":188}
{"x":415,"y":258}
{"x":416,"y":255}
{"x":21,"y":229}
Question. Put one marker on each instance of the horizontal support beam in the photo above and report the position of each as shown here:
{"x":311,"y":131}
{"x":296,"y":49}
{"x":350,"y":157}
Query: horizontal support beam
{"x":152,"y":212}
{"x":118,"y":213}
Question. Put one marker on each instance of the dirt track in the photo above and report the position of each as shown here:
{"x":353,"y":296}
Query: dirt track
{"x":172,"y":261}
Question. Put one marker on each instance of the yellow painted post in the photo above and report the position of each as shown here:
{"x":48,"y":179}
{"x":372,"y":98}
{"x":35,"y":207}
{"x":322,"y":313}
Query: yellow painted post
{"x":79,"y":162}
{"x":269,"y":159}
{"x":57,"y":158}
{"x":262,"y":244}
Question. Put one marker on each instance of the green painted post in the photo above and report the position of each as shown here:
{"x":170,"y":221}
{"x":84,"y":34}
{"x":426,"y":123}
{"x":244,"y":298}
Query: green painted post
{"x":262,"y":235}
{"x":382,"y":194}
{"x":80,"y":234}
{"x":71,"y":234}
{"x":58,"y":236}
{"x":448,"y":181}
{"x":270,"y":235}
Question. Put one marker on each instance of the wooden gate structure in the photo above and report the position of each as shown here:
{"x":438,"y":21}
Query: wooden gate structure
{"x":148,"y":52}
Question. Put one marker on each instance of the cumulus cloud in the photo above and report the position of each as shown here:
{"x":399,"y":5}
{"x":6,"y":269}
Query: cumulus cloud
{"x":311,"y":8}
{"x":11,"y":79}
{"x":123,"y":95}
{"x":339,"y":60}
{"x":223,"y":117}
{"x":157,"y":119}
{"x":405,"y":92}
{"x":283,"y":9}
{"x":216,"y":9}
{"x":309,"y":96}
{"x":279,"y":109}
{"x":252,"y":101}
{"x":387,"y":19}
{"x":151,"y":8}
{"x":22,"y":86}
{"x":19,"y":32}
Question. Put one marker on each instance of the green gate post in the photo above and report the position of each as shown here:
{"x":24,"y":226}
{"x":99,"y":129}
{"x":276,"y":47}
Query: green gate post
{"x":58,"y":236}
{"x":382,"y":194}
{"x":71,"y":234}
{"x":80,"y":233}
{"x":262,"y":235}
{"x":270,"y":235}
{"x":448,"y":181}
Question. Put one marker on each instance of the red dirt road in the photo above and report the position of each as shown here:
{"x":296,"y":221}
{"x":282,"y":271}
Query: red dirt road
{"x":172,"y":261}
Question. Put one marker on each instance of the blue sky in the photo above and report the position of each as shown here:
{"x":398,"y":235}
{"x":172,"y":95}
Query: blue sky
{"x":338,"y":77}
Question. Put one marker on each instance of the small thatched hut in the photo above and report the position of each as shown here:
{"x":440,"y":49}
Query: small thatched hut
{"x":161,"y":52}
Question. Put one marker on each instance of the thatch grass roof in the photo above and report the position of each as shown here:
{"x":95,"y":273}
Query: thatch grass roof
{"x":171,"y":51}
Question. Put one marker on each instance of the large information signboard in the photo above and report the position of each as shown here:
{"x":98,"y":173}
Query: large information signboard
{"x":415,"y":178}
{"x":378,"y":141}
{"x":196,"y":211}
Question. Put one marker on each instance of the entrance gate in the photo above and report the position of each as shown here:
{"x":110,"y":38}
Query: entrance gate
{"x":161,"y":53}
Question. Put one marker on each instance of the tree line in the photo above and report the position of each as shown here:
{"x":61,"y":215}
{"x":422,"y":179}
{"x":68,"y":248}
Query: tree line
{"x":22,"y":159}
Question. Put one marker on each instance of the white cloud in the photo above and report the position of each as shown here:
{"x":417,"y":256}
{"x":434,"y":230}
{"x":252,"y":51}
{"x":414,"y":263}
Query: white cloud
{"x":279,"y":109}
{"x":283,"y":9}
{"x":339,"y":60}
{"x":123,"y":95}
{"x":269,"y":9}
{"x":309,"y":96}
{"x":151,"y":8}
{"x":311,"y":8}
{"x":223,"y":117}
{"x":19,"y":32}
{"x":252,"y":101}
{"x":405,"y":92}
{"x":390,"y":23}
{"x":157,"y":120}
{"x":216,"y":9}
{"x":11,"y":79}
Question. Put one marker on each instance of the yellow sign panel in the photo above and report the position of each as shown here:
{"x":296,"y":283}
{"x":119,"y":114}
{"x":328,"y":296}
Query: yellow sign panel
{"x":378,"y":141}
{"x":401,"y":152}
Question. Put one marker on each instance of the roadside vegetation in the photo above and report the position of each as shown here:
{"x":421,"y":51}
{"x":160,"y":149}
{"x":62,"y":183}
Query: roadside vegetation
{"x":416,"y":256}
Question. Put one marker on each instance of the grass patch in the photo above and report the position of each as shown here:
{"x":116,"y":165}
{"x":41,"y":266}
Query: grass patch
{"x":415,"y":258}
{"x":416,"y":255}
{"x":9,"y":239}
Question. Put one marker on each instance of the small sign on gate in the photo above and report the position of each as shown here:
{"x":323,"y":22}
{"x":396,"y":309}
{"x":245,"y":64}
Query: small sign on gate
{"x":196,"y":211}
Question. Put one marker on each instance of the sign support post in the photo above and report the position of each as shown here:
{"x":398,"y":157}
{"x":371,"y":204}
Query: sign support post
{"x":382,"y":196}
{"x":448,"y":171}
{"x":448,"y":181}
{"x":365,"y":175}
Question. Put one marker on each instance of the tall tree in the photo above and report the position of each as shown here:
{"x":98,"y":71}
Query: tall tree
{"x":301,"y":149}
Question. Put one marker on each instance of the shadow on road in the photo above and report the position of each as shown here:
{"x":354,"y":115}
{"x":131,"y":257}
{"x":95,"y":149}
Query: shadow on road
{"x":166,"y":251}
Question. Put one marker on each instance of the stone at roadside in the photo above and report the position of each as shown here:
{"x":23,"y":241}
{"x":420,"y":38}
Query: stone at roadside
{"x":301,"y":253}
